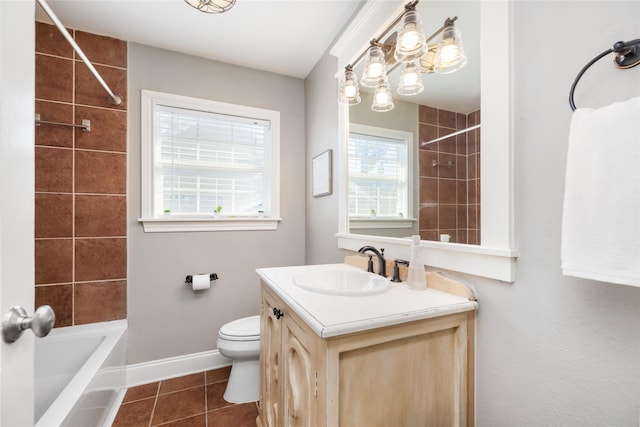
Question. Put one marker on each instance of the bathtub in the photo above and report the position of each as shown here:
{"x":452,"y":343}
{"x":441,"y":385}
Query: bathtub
{"x":79,"y":374}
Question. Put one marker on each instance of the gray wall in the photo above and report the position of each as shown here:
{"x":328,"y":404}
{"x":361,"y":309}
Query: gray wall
{"x":551,"y":350}
{"x":321,"y":94}
{"x":166,"y":319}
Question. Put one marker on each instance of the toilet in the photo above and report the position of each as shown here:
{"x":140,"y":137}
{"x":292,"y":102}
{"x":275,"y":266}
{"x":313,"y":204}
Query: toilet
{"x":239,"y":341}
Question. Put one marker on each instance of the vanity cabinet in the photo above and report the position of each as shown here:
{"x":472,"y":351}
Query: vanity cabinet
{"x":417,"y":373}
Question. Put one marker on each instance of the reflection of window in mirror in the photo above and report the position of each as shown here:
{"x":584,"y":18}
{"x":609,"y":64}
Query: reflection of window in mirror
{"x":380,"y":196}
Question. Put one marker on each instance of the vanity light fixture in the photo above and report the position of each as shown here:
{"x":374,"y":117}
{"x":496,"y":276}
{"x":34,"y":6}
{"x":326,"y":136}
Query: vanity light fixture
{"x":450,"y":55}
{"x":212,"y":6}
{"x":382,"y":99}
{"x":374,"y":66}
{"x":411,"y":44}
{"x":349,"y":90}
{"x":410,"y":79}
{"x":408,"y":46}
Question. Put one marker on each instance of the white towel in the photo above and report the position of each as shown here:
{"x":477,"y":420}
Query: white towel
{"x":601,"y":218}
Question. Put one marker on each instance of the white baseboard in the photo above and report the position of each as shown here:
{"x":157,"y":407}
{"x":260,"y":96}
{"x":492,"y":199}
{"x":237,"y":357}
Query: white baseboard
{"x":162,"y":369}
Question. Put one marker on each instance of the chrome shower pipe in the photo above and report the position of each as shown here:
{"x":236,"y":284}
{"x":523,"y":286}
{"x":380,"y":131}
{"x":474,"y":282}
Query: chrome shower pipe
{"x":115,"y":99}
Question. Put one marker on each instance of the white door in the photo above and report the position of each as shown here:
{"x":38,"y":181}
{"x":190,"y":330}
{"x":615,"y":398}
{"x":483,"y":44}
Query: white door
{"x":17,"y":94}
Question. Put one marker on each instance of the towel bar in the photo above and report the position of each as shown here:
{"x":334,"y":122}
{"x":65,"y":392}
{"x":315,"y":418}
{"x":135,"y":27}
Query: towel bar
{"x":627,"y":56}
{"x":85,"y":126}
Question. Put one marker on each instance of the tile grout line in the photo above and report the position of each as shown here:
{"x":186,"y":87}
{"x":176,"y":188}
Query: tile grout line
{"x":206,"y":395}
{"x":73,"y":189}
{"x":155,"y":402}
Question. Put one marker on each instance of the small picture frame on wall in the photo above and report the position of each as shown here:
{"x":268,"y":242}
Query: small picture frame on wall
{"x":321,"y":174}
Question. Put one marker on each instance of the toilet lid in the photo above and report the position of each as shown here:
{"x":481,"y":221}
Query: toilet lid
{"x":245,"y":329}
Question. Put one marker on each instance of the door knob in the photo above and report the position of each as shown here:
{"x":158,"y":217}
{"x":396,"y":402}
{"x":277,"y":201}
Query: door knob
{"x":16,"y":321}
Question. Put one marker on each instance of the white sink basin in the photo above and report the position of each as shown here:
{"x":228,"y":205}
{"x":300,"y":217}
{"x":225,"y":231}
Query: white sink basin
{"x":338,"y":281}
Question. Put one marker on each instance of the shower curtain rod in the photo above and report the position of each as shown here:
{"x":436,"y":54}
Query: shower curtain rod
{"x":115,"y":99}
{"x":450,"y":135}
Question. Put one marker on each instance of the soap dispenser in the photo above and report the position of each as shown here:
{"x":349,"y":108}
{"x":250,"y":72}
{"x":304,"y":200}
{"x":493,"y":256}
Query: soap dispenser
{"x":416,"y":279}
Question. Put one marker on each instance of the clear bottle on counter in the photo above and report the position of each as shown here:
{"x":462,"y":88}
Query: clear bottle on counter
{"x":416,"y":278}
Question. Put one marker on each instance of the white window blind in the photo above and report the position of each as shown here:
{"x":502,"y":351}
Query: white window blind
{"x":205,"y":160}
{"x":198,"y":155}
{"x":378,"y":174}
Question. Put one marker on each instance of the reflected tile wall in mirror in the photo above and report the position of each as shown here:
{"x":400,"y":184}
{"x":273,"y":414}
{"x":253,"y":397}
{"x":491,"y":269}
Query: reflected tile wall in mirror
{"x":450,"y":190}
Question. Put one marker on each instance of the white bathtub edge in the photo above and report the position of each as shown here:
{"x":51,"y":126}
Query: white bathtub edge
{"x":111,"y":417}
{"x":61,"y":408}
{"x":161,"y":369}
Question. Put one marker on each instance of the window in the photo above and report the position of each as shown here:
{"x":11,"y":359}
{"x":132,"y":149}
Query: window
{"x":379,"y":173}
{"x":208,"y":165}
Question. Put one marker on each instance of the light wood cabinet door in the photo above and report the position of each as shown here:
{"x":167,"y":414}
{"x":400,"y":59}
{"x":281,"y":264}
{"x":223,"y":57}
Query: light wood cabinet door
{"x":413,"y":374}
{"x":270,"y":348}
{"x":300,"y":376}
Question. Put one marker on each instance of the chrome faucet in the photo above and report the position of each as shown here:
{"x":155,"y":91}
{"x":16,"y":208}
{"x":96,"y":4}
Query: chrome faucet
{"x":382,"y":263}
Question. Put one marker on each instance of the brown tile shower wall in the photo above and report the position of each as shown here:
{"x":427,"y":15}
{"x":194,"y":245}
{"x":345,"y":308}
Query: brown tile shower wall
{"x":449,"y":176}
{"x":80,"y":179}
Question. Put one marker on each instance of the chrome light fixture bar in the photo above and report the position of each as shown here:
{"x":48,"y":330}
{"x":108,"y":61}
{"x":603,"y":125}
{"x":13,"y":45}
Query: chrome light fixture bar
{"x":211,"y":6}
{"x":409,"y":46}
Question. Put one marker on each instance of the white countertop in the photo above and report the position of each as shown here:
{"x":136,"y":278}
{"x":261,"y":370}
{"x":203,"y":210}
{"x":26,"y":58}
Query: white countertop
{"x":333,"y":315}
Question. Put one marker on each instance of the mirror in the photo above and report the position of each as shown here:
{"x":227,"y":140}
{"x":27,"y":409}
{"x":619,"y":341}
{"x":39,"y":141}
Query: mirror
{"x":495,"y":257}
{"x":436,"y":191}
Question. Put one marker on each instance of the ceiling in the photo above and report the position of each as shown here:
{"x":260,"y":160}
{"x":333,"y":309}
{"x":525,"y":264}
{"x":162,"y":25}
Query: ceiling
{"x":282,"y":36}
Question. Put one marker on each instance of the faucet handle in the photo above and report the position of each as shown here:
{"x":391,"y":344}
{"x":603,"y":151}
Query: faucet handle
{"x":396,"y":269}
{"x":370,"y":264}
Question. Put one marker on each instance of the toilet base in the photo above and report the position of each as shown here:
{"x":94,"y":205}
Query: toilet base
{"x":244,"y":382}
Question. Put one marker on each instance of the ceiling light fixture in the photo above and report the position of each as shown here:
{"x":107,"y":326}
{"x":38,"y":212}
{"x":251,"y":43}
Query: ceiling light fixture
{"x":212,"y":6}
{"x":409,"y":46}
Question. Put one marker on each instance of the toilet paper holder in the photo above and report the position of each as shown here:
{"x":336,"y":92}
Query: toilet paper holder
{"x":189,"y":279}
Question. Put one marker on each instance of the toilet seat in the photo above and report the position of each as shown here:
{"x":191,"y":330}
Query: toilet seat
{"x":245,"y":329}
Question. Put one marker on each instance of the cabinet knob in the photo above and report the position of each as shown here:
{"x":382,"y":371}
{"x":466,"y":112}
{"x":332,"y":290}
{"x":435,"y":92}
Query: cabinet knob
{"x":278,"y":313}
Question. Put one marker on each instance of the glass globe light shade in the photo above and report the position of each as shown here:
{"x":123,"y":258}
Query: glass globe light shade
{"x":374,"y":67}
{"x":349,"y":90}
{"x":410,"y":80}
{"x":411,"y":44}
{"x":450,"y":56}
{"x":382,"y":99}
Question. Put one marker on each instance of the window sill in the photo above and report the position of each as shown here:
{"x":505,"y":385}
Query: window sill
{"x":380,"y":222}
{"x":178,"y":224}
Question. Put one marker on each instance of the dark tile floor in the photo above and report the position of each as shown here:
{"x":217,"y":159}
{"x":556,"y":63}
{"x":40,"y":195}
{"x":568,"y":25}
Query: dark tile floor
{"x":189,"y":401}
